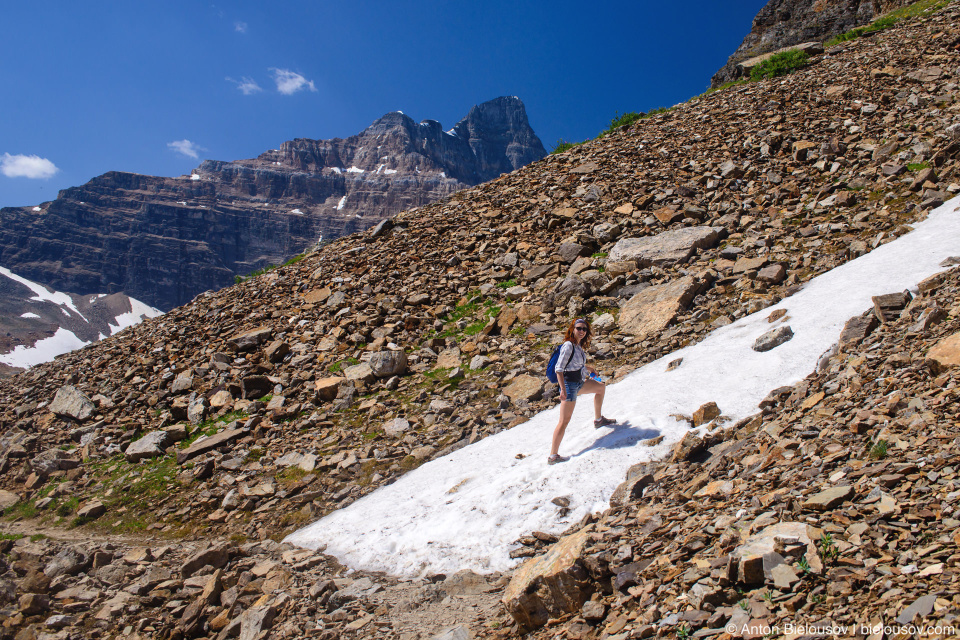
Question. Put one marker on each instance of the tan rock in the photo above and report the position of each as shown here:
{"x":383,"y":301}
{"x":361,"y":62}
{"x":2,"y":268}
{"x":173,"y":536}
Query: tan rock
{"x":705,"y":414}
{"x":8,"y":499}
{"x":524,"y":387}
{"x":828,"y":499}
{"x":327,"y":388}
{"x":449,"y":358}
{"x":656,"y":307}
{"x":946,"y":353}
{"x":551,"y":585}
{"x":221,"y":398}
{"x":317,"y":296}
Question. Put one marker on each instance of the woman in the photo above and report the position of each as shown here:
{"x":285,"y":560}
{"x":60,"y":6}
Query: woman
{"x":571,"y":368}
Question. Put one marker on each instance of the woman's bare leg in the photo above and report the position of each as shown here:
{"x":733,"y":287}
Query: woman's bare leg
{"x":566,"y":410}
{"x":599,"y":389}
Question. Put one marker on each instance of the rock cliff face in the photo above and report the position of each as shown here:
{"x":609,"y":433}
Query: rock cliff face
{"x":782,"y":23}
{"x":164,"y":240}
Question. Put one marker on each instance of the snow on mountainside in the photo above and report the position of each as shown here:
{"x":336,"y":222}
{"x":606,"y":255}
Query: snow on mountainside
{"x":43,"y":323}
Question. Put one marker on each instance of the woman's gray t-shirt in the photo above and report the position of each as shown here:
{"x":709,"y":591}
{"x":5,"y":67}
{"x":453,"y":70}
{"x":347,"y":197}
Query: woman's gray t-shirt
{"x":572,"y":358}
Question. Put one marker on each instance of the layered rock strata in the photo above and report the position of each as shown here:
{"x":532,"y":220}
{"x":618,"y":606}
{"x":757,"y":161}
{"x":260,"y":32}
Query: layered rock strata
{"x":164,"y":240}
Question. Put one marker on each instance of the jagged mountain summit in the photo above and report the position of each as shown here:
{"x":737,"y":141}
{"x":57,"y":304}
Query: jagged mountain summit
{"x":783,"y":23}
{"x":164,"y":240}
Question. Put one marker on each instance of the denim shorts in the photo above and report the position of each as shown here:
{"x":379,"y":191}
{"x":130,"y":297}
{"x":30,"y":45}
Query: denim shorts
{"x":572,"y":389}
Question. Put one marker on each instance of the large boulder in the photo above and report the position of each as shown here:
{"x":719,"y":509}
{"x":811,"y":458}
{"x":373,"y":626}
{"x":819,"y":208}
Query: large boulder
{"x":151,"y":445}
{"x":70,"y":402}
{"x":362,"y":372}
{"x":654,"y":308}
{"x":8,"y":499}
{"x":70,"y":561}
{"x":327,"y":388}
{"x":386,"y":364}
{"x":754,"y":561}
{"x":667,"y":248}
{"x":524,"y":387}
{"x":572,"y":285}
{"x":551,"y":585}
{"x":250,"y":339}
{"x":773,"y":339}
{"x":946,"y":353}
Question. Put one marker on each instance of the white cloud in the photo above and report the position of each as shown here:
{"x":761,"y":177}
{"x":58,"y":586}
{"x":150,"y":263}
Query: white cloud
{"x":240,"y":27}
{"x":247,"y":86}
{"x":20,"y":166}
{"x":289,"y":82}
{"x":187,"y":148}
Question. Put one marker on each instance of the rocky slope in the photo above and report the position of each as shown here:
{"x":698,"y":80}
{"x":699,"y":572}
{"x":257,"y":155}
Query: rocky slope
{"x":318,"y":382}
{"x":783,"y":23}
{"x":164,"y":240}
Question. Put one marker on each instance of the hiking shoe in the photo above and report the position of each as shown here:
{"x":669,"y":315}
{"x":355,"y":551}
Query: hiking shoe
{"x":602,"y":422}
{"x":555,"y":458}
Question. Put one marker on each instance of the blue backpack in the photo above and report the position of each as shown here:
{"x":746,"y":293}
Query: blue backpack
{"x":551,"y":374}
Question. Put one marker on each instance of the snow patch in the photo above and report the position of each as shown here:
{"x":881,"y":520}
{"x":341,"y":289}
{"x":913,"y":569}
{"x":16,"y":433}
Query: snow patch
{"x":37,"y":209}
{"x":29,"y":315}
{"x":297,"y":211}
{"x":139,"y":311}
{"x":44,"y":350}
{"x":389,"y":172}
{"x":43,"y":295}
{"x":195,"y":176}
{"x":465,"y":510}
{"x":355,"y":170}
{"x":342,"y":202}
{"x":336,"y":169}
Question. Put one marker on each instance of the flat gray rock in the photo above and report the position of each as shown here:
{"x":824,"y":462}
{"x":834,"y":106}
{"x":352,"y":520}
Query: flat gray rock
{"x":669,"y":247}
{"x":828,"y":499}
{"x":208,"y":444}
{"x":70,"y":402}
{"x":149,"y":446}
{"x":772,"y":339}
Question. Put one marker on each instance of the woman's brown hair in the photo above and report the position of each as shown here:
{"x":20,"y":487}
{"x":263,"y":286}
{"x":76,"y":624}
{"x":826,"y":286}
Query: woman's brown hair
{"x":569,"y":336}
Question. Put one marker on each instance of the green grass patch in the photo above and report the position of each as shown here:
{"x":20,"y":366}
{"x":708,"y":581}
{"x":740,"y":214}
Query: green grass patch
{"x":11,"y":536}
{"x":600,"y":254}
{"x":68,"y":506}
{"x":917,"y":166}
{"x":780,"y":64}
{"x":506,"y":284}
{"x":37,"y":537}
{"x":621,"y":120}
{"x":725,"y":85}
{"x":25,"y":510}
{"x":290,"y":475}
{"x":879,"y":450}
{"x":562,"y":146}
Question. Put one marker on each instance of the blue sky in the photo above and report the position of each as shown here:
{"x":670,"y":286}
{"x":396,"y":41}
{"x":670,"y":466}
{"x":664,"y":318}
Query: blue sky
{"x":156,"y":87}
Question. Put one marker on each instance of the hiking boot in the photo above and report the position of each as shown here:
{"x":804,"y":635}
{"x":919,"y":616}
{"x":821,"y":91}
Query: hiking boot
{"x":602,"y":422}
{"x":555,"y":458}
